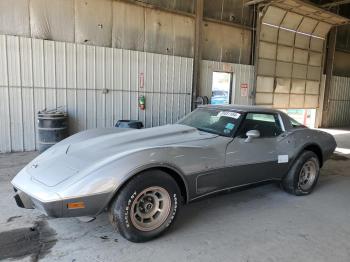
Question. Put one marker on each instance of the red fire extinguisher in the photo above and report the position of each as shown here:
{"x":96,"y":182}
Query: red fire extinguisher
{"x":142,"y":102}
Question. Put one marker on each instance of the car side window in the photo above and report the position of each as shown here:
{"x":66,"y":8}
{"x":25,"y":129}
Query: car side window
{"x":267,"y":124}
{"x":295,"y":124}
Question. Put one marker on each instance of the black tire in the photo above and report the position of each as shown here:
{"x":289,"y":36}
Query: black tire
{"x":291,"y":182}
{"x":121,"y":209}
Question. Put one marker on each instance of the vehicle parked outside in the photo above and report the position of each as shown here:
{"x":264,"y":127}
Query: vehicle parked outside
{"x":219,"y":98}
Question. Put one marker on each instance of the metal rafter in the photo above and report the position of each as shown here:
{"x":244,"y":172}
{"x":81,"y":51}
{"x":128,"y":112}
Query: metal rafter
{"x":337,"y":3}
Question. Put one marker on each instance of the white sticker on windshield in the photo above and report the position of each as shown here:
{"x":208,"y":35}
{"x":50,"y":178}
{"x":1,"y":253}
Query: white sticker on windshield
{"x":234,"y":115}
{"x":282,"y":159}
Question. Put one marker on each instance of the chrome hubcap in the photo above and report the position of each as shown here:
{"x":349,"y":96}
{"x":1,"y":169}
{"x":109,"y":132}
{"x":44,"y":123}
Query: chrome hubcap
{"x":307,"y":175}
{"x":150,"y":208}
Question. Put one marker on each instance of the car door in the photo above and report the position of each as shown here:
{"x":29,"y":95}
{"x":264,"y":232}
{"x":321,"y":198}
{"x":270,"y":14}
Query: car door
{"x":259,"y":159}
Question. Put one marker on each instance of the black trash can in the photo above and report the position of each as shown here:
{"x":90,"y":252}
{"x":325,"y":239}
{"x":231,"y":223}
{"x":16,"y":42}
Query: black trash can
{"x":52,"y":128}
{"x":136,"y":124}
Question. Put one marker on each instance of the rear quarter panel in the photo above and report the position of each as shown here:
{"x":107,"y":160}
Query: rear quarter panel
{"x":305,"y":137}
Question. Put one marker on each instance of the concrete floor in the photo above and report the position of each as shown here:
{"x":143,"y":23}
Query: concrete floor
{"x":258,"y":224}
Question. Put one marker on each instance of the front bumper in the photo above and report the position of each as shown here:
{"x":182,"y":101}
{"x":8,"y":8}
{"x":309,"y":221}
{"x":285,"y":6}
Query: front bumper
{"x":32,"y":194}
{"x":93,"y":205}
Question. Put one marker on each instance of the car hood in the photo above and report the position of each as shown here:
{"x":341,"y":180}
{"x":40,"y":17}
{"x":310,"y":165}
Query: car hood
{"x":89,"y":150}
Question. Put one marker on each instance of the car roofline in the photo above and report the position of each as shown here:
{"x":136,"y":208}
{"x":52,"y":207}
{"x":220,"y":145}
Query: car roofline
{"x":242,"y":108}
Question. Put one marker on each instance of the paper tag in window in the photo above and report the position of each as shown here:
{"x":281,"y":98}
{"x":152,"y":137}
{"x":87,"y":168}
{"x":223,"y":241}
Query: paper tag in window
{"x":234,"y":115}
{"x":282,"y":159}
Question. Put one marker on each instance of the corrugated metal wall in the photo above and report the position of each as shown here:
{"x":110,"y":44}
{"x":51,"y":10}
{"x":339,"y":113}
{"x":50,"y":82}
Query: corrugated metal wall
{"x":226,"y":43}
{"x":338,"y":114}
{"x":102,"y":23}
{"x":129,"y":24}
{"x":341,"y":64}
{"x":180,"y":5}
{"x":97,"y":86}
{"x":242,"y":74}
{"x":229,"y":11}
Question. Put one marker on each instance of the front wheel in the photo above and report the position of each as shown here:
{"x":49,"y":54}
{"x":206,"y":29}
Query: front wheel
{"x":146,"y":206}
{"x":302,"y":177}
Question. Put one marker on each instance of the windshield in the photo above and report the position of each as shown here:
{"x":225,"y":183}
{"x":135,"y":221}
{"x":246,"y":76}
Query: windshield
{"x":215,"y":121}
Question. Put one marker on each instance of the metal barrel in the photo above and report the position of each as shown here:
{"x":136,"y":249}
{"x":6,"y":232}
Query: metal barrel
{"x":52,"y":128}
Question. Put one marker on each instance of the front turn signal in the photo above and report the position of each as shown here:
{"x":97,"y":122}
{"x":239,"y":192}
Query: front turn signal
{"x":76,"y":205}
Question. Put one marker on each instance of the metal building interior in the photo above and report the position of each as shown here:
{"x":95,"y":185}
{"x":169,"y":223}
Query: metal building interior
{"x":95,"y":58}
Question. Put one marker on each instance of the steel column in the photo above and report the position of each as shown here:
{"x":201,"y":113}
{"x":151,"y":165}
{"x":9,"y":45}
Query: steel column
{"x":329,"y":72}
{"x":197,"y":50}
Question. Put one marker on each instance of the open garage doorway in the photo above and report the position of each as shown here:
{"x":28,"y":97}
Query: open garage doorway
{"x":221,"y":88}
{"x":307,"y":117}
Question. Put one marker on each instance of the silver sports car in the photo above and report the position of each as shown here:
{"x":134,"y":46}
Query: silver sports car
{"x":142,"y":177}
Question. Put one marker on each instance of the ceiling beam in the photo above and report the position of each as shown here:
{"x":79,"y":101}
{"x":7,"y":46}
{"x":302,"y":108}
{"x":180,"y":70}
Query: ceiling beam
{"x":342,"y":2}
{"x":254,"y":2}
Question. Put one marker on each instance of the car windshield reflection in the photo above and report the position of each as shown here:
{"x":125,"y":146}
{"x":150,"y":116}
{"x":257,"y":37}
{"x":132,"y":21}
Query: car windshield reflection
{"x":214,"y":121}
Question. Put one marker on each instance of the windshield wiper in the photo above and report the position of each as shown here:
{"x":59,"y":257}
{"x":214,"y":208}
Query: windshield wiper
{"x":207,"y":130}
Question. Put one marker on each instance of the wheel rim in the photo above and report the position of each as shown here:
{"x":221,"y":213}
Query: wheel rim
{"x":150,"y":208}
{"x":307,"y":175}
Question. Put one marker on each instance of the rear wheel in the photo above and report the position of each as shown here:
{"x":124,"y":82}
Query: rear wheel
{"x":303,"y":176}
{"x":146,"y":206}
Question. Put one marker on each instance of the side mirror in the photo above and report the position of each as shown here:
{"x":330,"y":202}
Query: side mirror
{"x":251,"y":134}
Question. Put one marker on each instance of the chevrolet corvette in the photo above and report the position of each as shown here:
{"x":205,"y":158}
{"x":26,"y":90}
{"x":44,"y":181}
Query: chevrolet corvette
{"x":142,"y":177}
